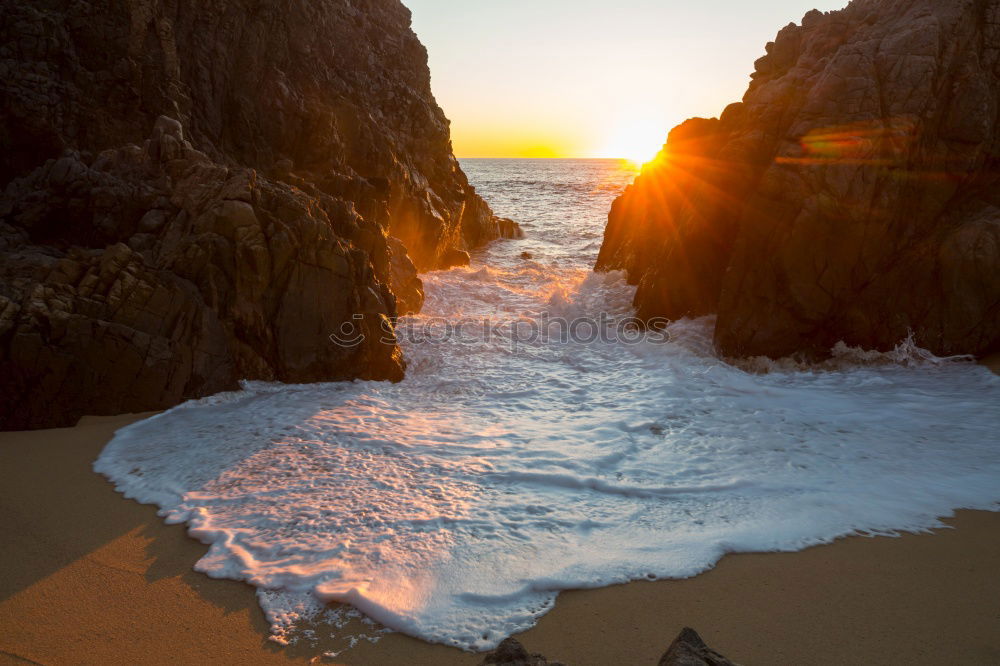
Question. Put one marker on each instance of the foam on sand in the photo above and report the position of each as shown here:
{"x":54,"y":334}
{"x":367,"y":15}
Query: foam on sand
{"x":459,"y":522}
{"x":455,"y":505}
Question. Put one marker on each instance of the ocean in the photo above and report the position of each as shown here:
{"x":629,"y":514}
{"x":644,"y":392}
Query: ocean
{"x":542,"y":442}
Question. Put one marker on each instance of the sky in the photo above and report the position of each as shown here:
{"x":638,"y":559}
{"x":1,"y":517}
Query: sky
{"x":587,"y":78}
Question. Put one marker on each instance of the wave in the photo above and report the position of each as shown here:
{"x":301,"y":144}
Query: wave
{"x":456,"y":505}
{"x":906,"y":354}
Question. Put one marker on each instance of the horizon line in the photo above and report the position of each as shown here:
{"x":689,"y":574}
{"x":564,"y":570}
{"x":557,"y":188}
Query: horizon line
{"x":515,"y":157}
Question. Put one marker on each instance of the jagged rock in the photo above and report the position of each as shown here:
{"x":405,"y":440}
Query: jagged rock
{"x":298,"y":174}
{"x":405,"y":283}
{"x":453,"y":258}
{"x":511,"y":653}
{"x":688,"y":649}
{"x":508,"y":228}
{"x":336,"y":94}
{"x":152,"y":274}
{"x":853,"y":195}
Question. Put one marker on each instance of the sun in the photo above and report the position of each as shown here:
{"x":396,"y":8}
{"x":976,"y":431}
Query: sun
{"x":637,"y":140}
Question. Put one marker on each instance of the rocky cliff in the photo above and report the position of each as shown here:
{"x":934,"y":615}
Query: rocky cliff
{"x":198,"y":193}
{"x":854,"y":193}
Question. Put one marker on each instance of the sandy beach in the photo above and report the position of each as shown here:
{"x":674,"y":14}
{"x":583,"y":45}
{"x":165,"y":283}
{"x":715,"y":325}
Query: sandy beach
{"x":89,"y":577}
{"x":467,"y":314}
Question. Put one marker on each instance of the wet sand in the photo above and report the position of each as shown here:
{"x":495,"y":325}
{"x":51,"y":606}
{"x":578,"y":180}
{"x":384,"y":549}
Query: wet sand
{"x":87,"y":577}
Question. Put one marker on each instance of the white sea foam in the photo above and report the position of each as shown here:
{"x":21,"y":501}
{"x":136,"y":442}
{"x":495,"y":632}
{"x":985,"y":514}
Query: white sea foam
{"x":455,"y":505}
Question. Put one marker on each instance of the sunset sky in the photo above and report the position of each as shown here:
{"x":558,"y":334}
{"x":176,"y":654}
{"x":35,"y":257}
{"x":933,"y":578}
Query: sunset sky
{"x":588,"y":78}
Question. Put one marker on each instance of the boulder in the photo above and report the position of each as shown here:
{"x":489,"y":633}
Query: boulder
{"x":453,"y":258}
{"x":511,"y":653}
{"x":688,"y":649}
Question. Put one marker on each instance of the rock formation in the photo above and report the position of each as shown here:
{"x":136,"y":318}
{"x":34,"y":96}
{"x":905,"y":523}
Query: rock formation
{"x":298,"y":175}
{"x":853,"y":195}
{"x":151,"y":274}
{"x":688,"y":649}
{"x":510,"y":652}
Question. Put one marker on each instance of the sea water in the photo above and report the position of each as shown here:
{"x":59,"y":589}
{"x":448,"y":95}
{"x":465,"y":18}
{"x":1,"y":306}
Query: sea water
{"x":508,"y":465}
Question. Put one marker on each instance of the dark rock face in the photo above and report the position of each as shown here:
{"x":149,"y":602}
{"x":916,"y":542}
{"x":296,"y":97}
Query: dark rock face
{"x":511,"y":653}
{"x":307,"y":178}
{"x":334,"y":93}
{"x":688,"y":649}
{"x":853,"y":195}
{"x":152,"y":274}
